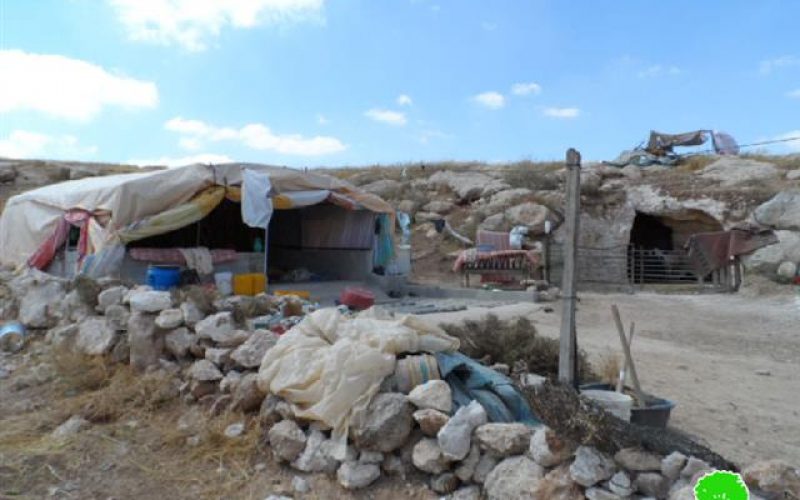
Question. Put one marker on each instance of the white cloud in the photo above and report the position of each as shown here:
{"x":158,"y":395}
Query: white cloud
{"x":190,"y":143}
{"x":768,"y":65}
{"x":404,"y":100}
{"x":26,"y":144}
{"x":254,"y":136}
{"x":386,"y":116}
{"x":193,"y":23}
{"x":322,"y":120}
{"x":491,"y":100}
{"x":67,"y":88}
{"x":656,"y":70}
{"x":170,"y":161}
{"x":526,"y":88}
{"x":563,"y":113}
{"x":794,"y":94}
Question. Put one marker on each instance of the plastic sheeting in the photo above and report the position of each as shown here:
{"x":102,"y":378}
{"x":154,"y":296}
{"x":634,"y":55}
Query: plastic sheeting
{"x":469,"y":380}
{"x":330,"y":366}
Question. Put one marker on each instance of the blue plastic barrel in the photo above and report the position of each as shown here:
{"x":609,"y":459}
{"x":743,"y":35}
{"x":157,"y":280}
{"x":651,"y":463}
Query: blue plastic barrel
{"x":163,"y":277}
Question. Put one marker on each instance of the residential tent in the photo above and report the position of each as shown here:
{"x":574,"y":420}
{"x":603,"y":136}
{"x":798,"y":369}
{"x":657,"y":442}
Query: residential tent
{"x":118,"y":210}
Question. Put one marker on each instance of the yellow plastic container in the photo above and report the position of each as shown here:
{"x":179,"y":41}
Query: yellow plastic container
{"x":249,"y":284}
{"x":303,"y":294}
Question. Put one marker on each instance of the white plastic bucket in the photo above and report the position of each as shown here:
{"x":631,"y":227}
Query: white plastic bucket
{"x":224,"y":283}
{"x":616,"y":403}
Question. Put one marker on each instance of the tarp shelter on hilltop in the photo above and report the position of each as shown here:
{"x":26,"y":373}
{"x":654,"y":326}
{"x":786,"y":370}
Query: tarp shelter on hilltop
{"x":119,"y":224}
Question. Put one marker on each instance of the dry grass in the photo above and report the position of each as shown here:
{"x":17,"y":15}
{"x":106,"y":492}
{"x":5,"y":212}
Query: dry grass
{"x":608,"y":368}
{"x":511,"y":341}
{"x":535,"y":177}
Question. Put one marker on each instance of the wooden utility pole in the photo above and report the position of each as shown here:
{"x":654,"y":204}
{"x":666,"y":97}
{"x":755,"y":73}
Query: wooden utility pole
{"x":567,"y":354}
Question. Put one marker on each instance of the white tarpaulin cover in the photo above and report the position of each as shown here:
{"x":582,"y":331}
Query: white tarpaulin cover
{"x":256,"y":201}
{"x":330,"y":366}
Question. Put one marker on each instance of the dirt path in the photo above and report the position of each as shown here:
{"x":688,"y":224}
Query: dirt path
{"x":704,"y":352}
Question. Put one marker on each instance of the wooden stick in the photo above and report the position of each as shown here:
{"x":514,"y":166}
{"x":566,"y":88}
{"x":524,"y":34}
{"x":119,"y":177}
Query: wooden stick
{"x":626,"y":368}
{"x":628,"y":358}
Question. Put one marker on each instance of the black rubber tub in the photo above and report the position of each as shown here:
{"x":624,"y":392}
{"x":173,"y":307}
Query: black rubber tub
{"x":655,"y":413}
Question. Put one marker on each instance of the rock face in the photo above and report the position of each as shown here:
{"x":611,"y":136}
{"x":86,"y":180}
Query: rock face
{"x":146,"y":342}
{"x":548,"y":450}
{"x":286,"y":440}
{"x":439,"y":207}
{"x":732,"y":170}
{"x":774,"y":476}
{"x":427,"y":456}
{"x":503,"y":440}
{"x":780,"y":212}
{"x":766,"y":260}
{"x":430,"y":421}
{"x":387,"y":423}
{"x":385,"y":188}
{"x":150,"y":301}
{"x":95,"y":337}
{"x":529,"y":214}
{"x":514,"y":478}
{"x":434,"y":394}
{"x":455,"y":437}
{"x":467,"y":186}
{"x":591,"y":466}
{"x":251,"y":352}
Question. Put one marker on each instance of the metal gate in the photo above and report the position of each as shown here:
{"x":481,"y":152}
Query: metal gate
{"x":653,"y":265}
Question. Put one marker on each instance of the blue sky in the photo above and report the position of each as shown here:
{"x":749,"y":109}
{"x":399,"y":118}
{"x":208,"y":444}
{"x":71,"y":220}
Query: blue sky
{"x":354,"y":82}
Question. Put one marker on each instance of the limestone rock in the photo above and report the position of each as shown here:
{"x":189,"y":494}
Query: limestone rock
{"x":767,"y":259}
{"x":652,"y":484}
{"x":40,"y":306}
{"x":178,"y":342}
{"x":169,"y":319}
{"x":251,"y":352}
{"x":428,"y":457}
{"x":531,"y":215}
{"x":434,"y":394}
{"x":774,"y":476}
{"x":111,"y":297}
{"x":317,"y":455}
{"x":486,"y":464}
{"x":444,"y":483}
{"x":439,"y":207}
{"x":620,"y":484}
{"x":685,"y":492}
{"x":204,"y":370}
{"x":455,"y":437}
{"x":234,"y":430}
{"x":247,"y":396}
{"x":430,"y":421}
{"x":355,"y":475}
{"x":595,"y":493}
{"x":191,"y":313}
{"x":370,"y":457}
{"x":386,"y":425}
{"x":95,"y":337}
{"x":220,"y":329}
{"x":72,"y":426}
{"x":513,"y":478}
{"x":780,"y":212}
{"x":466,"y":493}
{"x":286,"y":440}
{"x":466,"y":468}
{"x":787,"y":271}
{"x":672,"y":465}
{"x":733,"y":170}
{"x":63,"y":337}
{"x":591,"y":466}
{"x":504,"y":439}
{"x":638,"y":460}
{"x":300,"y":485}
{"x":385,"y":188}
{"x":407,"y":206}
{"x":467,"y":186}
{"x":558,"y":485}
{"x":122,"y":350}
{"x":117,"y":317}
{"x":150,"y":301}
{"x":693,"y":466}
{"x":548,"y":450}
{"x":508,"y":197}
{"x":230,"y":381}
{"x":145,"y":341}
{"x":218,"y":356}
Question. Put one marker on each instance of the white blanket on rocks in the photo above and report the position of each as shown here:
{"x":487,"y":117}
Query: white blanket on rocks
{"x":330,"y":366}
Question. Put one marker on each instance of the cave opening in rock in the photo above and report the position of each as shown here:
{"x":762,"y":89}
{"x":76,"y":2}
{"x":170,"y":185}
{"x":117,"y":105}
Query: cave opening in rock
{"x":649,"y":232}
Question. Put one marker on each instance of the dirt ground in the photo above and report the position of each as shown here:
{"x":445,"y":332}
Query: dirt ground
{"x":730,"y":362}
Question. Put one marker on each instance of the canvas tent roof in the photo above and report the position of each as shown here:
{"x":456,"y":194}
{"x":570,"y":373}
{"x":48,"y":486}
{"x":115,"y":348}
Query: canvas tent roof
{"x":30,"y":218}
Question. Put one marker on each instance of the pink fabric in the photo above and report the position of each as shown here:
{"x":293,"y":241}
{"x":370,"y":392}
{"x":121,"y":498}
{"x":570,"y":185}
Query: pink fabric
{"x":46,"y":252}
{"x":174,"y":256}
